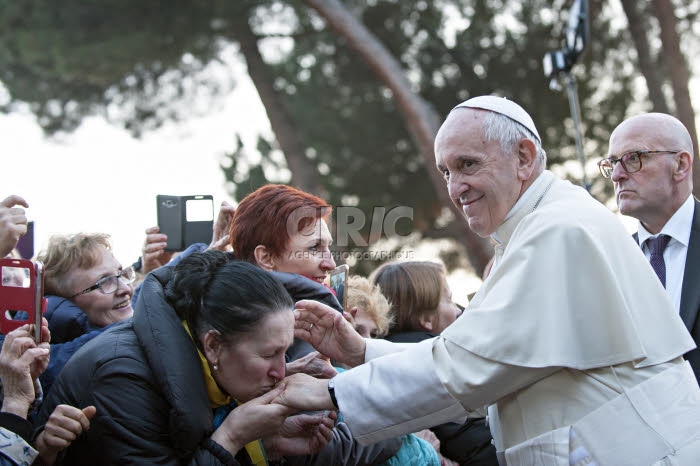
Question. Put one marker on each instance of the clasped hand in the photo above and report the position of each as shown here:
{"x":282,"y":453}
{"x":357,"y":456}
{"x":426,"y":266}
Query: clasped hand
{"x":281,"y":432}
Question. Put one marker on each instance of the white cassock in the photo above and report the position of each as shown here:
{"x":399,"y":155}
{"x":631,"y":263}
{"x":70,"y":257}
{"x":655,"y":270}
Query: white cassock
{"x":571,"y":342}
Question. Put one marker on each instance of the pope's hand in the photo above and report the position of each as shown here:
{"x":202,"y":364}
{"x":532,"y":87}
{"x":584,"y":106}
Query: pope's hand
{"x":327,"y":330}
{"x":305,"y":393}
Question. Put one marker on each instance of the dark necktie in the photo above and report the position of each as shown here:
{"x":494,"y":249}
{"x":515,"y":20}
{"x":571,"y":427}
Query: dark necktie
{"x":656,"y":248}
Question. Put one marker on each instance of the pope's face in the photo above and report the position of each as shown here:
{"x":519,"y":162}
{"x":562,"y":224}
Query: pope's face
{"x":482,"y":180}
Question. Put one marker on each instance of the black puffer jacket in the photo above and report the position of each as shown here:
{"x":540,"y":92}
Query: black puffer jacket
{"x":144,"y":377}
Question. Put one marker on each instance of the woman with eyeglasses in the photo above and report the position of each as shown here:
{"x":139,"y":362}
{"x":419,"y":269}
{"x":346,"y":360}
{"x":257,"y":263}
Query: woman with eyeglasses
{"x":87,"y":290}
{"x":82,"y":272}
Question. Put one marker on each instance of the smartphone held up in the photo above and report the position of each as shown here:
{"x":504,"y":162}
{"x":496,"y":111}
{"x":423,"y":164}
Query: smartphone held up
{"x":21,"y":295}
{"x":185,"y":220}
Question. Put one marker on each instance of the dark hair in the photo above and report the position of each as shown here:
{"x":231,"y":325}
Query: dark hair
{"x":210,"y":291}
{"x":262,"y":218}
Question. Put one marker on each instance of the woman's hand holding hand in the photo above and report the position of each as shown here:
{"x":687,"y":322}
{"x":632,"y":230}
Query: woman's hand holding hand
{"x":314,"y":364}
{"x":252,"y":420}
{"x":303,"y":434}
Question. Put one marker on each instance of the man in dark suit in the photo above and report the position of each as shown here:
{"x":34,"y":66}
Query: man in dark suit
{"x":650,"y":162}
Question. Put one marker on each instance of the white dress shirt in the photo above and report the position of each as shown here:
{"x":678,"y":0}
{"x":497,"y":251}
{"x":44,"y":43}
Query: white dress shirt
{"x":678,"y":228}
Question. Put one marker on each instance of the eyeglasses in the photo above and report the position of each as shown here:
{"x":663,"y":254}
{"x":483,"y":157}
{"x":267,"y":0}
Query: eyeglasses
{"x":109,"y":285}
{"x":631,"y":161}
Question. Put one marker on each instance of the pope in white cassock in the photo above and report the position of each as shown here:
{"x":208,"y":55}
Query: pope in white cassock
{"x":571,"y":343}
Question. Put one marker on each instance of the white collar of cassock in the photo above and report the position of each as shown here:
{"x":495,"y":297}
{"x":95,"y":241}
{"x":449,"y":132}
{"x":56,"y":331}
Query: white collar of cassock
{"x":523,"y":206}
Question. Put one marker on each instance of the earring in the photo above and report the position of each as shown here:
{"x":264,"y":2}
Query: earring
{"x":215,"y":367}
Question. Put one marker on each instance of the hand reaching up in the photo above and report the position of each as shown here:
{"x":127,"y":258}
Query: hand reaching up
{"x":153,"y":253}
{"x":21,"y":362}
{"x":222,"y":226}
{"x":13,"y":223}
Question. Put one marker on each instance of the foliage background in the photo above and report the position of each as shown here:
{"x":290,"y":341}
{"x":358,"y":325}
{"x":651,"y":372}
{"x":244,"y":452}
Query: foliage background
{"x":142,"y":64}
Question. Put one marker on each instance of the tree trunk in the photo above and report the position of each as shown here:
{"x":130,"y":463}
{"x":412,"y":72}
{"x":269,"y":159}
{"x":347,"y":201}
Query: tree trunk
{"x":304,"y":174}
{"x":638,"y":25}
{"x":678,"y":72}
{"x":421,"y":119}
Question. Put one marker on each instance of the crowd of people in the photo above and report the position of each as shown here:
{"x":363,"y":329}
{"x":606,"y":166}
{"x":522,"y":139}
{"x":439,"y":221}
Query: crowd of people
{"x":579,"y":348}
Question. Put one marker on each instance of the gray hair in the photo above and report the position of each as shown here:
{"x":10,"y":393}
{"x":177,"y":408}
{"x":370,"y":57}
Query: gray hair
{"x":508,"y":132}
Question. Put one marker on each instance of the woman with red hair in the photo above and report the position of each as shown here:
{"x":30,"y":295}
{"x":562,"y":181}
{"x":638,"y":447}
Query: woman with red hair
{"x":281,"y":228}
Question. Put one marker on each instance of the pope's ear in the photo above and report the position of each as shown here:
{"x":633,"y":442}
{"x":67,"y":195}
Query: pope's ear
{"x":264,"y":258}
{"x":527,"y":157}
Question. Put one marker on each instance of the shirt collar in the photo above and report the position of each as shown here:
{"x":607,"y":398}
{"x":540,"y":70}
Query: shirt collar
{"x":677,"y":227}
{"x":503,"y":232}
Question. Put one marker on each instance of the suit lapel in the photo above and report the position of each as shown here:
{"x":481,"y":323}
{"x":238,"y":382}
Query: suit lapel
{"x":690,"y":293}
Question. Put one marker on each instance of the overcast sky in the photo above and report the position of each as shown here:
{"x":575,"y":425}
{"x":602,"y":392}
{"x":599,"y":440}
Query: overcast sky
{"x":101,"y":179}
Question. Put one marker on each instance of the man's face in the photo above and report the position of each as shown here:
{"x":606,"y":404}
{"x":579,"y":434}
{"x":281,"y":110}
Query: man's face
{"x":481,"y":179}
{"x":102,"y":309}
{"x":646,"y":193}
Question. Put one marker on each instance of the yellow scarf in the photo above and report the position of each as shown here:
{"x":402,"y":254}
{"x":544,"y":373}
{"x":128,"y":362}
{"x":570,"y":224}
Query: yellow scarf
{"x":218,"y":397}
